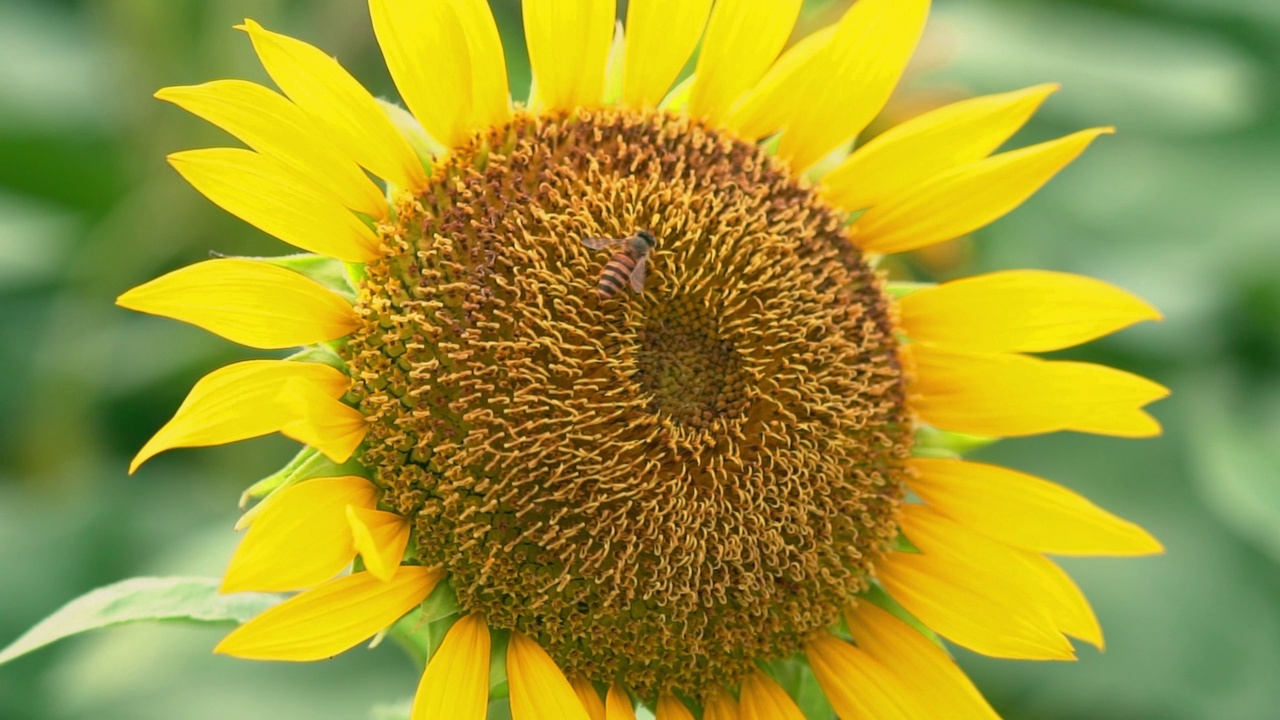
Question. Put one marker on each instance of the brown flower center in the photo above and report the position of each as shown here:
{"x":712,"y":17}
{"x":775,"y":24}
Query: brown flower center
{"x":661,"y":488}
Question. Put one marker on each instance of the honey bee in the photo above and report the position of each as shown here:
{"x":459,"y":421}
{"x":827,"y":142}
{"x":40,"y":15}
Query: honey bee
{"x":627,"y":263}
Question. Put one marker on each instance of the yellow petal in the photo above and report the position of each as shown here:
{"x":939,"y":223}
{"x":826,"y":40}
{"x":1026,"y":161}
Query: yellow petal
{"x":917,"y":150}
{"x":956,"y":586}
{"x":456,"y":683}
{"x":270,"y":124}
{"x":670,"y":708}
{"x":1026,"y":577}
{"x":589,"y":697}
{"x":380,"y":537}
{"x":268,"y":195}
{"x":763,"y":110}
{"x":301,"y":538}
{"x":964,"y":199}
{"x":490,"y":97}
{"x":973,"y":618}
{"x":328,"y":425}
{"x":855,"y":77}
{"x":1071,"y":610}
{"x":237,"y":402}
{"x":1125,"y":422}
{"x":1025,"y":511}
{"x":447,"y":61}
{"x":763,"y":699}
{"x":1020,"y":311}
{"x":618,"y":705}
{"x":569,"y":43}
{"x":938,"y":687}
{"x":248,"y":302}
{"x":352,"y":118}
{"x":721,"y":706}
{"x":1005,"y":395}
{"x":743,"y":39}
{"x":332,"y":618}
{"x":661,"y":35}
{"x":538,"y":688}
{"x":854,"y":683}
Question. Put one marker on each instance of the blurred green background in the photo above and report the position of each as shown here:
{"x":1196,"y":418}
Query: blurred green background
{"x":1182,"y":206}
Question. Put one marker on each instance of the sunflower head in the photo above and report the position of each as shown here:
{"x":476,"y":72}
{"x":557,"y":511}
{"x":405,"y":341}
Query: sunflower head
{"x":614,"y":372}
{"x":632,"y":480}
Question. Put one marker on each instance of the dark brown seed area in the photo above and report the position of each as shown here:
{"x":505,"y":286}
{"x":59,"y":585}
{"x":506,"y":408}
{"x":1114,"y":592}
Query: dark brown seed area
{"x":660,"y":488}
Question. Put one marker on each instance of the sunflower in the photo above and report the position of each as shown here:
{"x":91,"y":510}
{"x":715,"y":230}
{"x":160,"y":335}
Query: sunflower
{"x":588,"y":495}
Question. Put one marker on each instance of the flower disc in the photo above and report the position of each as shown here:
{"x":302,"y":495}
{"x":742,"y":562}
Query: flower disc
{"x":661,"y":488}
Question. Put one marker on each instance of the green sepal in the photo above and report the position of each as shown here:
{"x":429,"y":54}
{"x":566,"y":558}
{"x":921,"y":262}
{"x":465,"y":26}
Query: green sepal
{"x":613,"y":67}
{"x":932,"y":442}
{"x":323,"y":354}
{"x":532,"y":104}
{"x":355,"y":273}
{"x":424,"y":146}
{"x":269,"y":483}
{"x":421,"y":631}
{"x":325,"y":270}
{"x":877,"y":596}
{"x":308,"y":464}
{"x":677,"y":98}
{"x":934,"y":453}
{"x":829,"y":162}
{"x":797,"y":678}
{"x":901,"y":288}
{"x":902,"y":543}
{"x":498,"y":686}
{"x":499,"y":709}
{"x":771,"y":143}
{"x":145,"y":599}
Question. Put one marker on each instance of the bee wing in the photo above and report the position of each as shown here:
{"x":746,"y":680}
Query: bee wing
{"x":597,"y":243}
{"x":637,"y":275}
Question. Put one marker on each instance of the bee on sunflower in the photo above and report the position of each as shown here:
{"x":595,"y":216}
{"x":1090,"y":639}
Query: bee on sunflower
{"x":596,"y":500}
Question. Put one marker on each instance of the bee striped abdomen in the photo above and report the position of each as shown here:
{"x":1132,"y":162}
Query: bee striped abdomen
{"x":616,"y":274}
{"x":627,"y":266}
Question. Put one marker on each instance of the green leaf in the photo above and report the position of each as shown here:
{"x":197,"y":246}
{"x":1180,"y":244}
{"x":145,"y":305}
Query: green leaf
{"x":191,"y":599}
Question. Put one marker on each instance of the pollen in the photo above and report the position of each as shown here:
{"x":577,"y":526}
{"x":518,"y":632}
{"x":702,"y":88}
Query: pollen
{"x":662,"y":488}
